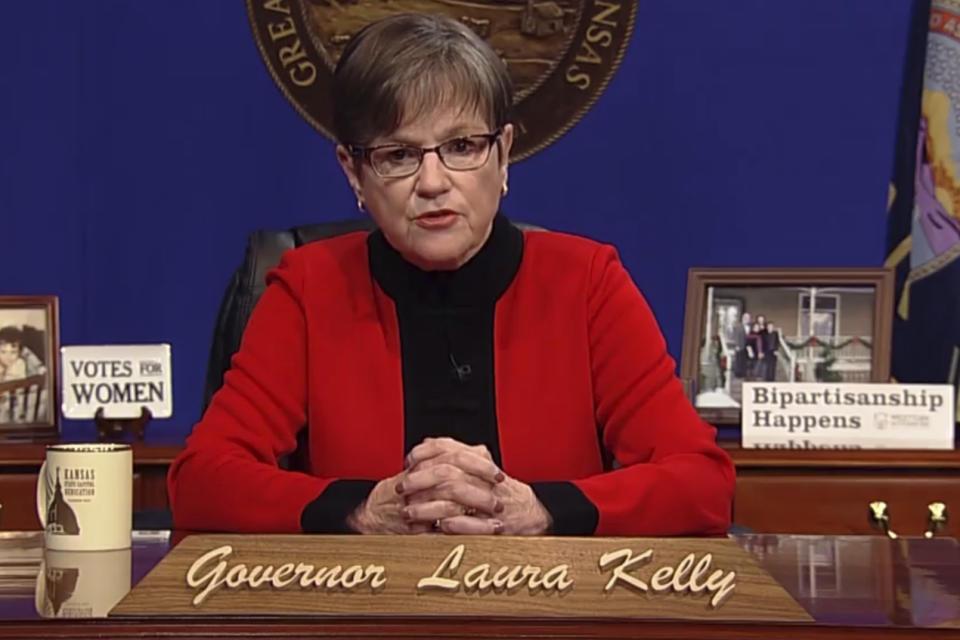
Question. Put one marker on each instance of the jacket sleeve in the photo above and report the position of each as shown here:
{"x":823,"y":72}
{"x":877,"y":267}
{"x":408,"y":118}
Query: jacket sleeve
{"x":674,"y":479}
{"x":227,"y":477}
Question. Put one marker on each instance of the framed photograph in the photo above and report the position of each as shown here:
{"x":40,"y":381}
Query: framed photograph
{"x":29,"y":344}
{"x":782,"y":325}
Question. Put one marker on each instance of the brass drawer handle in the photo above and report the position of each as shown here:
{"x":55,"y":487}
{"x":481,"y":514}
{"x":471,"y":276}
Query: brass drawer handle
{"x":936,"y":519}
{"x":879,"y":518}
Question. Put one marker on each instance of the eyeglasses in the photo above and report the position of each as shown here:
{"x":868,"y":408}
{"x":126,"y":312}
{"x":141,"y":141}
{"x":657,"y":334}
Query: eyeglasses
{"x":465,"y":153}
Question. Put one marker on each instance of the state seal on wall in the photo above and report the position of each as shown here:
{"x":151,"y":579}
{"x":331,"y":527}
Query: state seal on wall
{"x":560,"y":54}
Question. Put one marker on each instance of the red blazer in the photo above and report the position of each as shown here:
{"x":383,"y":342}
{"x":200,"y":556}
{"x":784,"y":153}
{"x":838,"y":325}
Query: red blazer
{"x":578,"y":359}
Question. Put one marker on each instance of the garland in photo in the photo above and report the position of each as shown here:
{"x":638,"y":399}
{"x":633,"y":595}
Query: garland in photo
{"x":814,"y":341}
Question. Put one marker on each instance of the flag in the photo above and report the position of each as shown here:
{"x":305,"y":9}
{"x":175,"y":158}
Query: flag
{"x":923,"y":226}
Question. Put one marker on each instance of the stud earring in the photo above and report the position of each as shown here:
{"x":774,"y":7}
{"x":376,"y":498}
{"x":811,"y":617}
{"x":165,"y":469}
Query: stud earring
{"x":504,"y":189}
{"x":359,"y":204}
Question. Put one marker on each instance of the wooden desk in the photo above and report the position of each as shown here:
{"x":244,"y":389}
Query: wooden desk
{"x":816,"y":491}
{"x":852,"y":586}
{"x":827,"y":491}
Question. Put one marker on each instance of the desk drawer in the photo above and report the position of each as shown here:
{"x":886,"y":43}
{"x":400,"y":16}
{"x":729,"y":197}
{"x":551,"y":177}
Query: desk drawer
{"x":821,"y":502}
{"x":18,"y":500}
{"x":18,"y":497}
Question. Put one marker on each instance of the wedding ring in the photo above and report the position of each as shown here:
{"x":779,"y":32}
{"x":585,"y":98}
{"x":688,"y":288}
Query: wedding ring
{"x":469,"y":511}
{"x":436,"y":524}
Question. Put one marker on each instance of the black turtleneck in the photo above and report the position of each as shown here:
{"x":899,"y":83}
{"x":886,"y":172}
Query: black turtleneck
{"x":446,"y":337}
{"x":445,"y":321}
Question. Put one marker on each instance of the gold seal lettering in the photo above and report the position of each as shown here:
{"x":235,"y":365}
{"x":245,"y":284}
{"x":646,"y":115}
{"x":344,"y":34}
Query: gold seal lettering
{"x":579,"y":79}
{"x":601,"y":18}
{"x":598,"y":34}
{"x":276,"y":5}
{"x":283,"y":29}
{"x":304,"y":74}
{"x":588,"y":55}
{"x":292,"y":53}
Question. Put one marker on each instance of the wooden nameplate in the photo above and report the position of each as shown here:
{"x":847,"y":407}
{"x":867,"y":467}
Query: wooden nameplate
{"x":438,"y":575}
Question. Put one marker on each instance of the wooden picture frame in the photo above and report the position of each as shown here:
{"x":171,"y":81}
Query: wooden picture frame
{"x":857,"y":349}
{"x":29,"y":374}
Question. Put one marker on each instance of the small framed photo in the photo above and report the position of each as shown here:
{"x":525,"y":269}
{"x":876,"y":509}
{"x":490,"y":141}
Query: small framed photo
{"x":782,"y":325}
{"x":29,"y":347}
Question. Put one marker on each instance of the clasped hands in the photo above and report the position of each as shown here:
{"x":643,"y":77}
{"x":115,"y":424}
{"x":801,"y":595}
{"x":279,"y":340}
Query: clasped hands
{"x":451,"y":487}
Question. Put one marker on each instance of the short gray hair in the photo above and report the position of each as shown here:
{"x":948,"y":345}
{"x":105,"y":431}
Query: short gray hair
{"x":407,"y":65}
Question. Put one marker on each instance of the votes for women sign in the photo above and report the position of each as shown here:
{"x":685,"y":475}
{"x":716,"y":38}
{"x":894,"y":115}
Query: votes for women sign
{"x":120,"y":379}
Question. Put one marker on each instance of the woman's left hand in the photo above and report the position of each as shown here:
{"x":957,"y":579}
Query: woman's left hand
{"x":521,"y":513}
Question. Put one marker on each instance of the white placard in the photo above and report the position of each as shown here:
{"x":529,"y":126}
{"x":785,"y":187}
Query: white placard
{"x":822,"y":415}
{"x":119,"y":378}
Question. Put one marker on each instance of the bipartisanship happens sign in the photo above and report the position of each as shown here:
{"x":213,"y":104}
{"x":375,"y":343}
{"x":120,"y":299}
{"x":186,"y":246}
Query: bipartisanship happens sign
{"x":847,"y":416}
{"x":121,"y":379}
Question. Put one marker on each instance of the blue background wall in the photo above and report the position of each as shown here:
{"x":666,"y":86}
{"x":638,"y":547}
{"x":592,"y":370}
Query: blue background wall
{"x":140,"y":142}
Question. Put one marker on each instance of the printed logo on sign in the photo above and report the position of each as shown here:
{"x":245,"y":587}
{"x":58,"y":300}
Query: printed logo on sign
{"x":881,"y":421}
{"x":560,"y":53}
{"x":909,"y":422}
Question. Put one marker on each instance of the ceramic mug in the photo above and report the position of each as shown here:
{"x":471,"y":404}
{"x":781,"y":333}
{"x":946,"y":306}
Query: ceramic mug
{"x":85,"y":497}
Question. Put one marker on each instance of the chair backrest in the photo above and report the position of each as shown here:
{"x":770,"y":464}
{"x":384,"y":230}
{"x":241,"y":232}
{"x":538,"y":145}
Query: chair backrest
{"x":263,"y":252}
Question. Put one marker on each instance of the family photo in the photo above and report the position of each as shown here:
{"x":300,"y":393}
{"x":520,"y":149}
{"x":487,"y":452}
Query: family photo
{"x":27,"y":349}
{"x":782,"y":334}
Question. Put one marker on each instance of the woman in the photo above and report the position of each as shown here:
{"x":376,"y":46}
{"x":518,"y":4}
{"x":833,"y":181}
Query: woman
{"x":771,"y":349}
{"x":455,"y":373}
{"x":755,"y":352}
